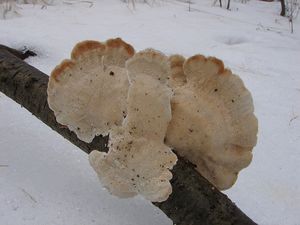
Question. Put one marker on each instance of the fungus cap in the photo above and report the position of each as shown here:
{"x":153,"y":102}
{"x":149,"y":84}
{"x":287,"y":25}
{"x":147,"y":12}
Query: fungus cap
{"x":88,"y":92}
{"x":138,"y":161}
{"x":213,"y":124}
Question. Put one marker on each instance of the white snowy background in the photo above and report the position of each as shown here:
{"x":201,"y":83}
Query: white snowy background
{"x":45,"y":180}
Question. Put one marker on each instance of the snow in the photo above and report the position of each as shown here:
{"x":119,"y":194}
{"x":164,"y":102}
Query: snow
{"x":46,"y":180}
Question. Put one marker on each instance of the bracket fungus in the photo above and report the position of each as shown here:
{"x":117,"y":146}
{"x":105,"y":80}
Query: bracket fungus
{"x":149,"y":103}
{"x":81,"y":90}
{"x":138,"y":161}
{"x":212,"y":124}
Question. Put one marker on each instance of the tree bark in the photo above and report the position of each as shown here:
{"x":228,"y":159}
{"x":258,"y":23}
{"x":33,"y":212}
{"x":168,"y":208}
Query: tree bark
{"x":282,"y":13}
{"x":194,"y":201}
{"x":19,"y":54}
{"x":228,"y":4}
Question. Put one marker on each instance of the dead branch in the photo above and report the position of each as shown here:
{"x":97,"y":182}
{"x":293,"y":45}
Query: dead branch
{"x":194,"y":200}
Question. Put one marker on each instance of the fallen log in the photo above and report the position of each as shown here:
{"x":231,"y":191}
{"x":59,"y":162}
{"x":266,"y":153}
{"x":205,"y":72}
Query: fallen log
{"x":194,"y":201}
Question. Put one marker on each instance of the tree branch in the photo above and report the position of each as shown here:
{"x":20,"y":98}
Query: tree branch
{"x":194,"y":201}
{"x":19,"y":54}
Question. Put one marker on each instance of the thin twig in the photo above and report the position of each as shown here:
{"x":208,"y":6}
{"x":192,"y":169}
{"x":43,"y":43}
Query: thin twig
{"x":29,"y":195}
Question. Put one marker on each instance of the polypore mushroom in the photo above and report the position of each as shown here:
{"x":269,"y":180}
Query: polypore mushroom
{"x":88,"y":92}
{"x":212,"y":124}
{"x":138,"y":161}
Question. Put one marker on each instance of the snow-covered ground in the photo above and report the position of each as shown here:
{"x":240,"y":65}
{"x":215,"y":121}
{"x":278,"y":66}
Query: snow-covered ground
{"x":46,"y":180}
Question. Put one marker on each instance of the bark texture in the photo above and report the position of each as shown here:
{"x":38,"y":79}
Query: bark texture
{"x":19,"y":54}
{"x":228,"y":4}
{"x":194,"y":200}
{"x":283,"y":10}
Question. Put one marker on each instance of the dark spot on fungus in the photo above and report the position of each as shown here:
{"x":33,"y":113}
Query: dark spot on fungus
{"x":80,"y":68}
{"x":137,"y":175}
{"x":111,"y":73}
{"x":232,"y":100}
{"x":191,"y":130}
{"x":216,"y":90}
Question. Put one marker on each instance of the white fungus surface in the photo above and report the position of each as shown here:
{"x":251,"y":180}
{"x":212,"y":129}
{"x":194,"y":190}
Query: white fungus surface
{"x":212,"y":124}
{"x":88,"y":92}
{"x":138,"y":161}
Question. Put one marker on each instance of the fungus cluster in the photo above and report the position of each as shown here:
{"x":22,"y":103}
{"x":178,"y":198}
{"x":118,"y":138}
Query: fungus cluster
{"x":149,"y":103}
